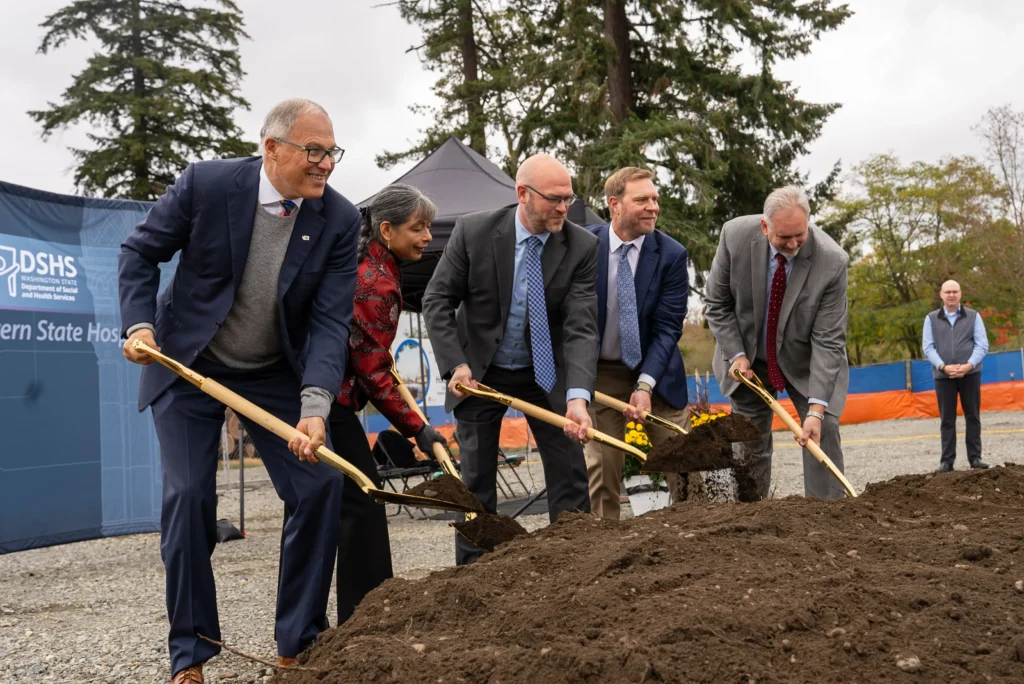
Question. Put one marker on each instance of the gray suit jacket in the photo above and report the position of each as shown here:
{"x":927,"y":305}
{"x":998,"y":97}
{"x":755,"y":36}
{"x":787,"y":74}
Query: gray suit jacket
{"x":812,"y":324}
{"x":467,"y":301}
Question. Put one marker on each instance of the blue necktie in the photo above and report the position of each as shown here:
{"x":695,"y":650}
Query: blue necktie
{"x":288,"y":207}
{"x":540,"y":335}
{"x":629,"y":326}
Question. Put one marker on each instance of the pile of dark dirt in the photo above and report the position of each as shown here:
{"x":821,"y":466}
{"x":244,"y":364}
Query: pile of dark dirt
{"x":919,"y":579}
{"x":707,"y":447}
{"x":447,"y":488}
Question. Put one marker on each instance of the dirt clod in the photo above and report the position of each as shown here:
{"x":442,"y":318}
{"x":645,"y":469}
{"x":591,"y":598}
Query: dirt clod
{"x":487,"y":530}
{"x":707,"y":447}
{"x":447,"y":488}
{"x":909,"y":664}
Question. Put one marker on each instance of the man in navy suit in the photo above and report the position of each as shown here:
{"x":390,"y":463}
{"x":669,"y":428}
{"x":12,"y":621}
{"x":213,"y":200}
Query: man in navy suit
{"x":642,"y":288}
{"x":261,"y":301}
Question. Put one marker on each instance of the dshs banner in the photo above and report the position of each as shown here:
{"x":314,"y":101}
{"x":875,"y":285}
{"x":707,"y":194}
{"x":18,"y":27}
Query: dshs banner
{"x":77,"y":460}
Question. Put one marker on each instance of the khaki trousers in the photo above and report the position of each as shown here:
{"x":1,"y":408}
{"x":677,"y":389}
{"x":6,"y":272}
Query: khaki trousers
{"x":605,"y":463}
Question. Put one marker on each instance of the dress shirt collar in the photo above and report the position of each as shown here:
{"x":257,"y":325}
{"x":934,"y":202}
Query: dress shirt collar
{"x":789,"y":259}
{"x":614,"y":242}
{"x":269,"y":194}
{"x":947,"y":314}
{"x":522,"y":233}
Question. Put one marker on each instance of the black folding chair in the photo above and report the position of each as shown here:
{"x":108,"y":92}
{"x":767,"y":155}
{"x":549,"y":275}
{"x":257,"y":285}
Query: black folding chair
{"x":397,"y":461}
{"x":511,"y":462}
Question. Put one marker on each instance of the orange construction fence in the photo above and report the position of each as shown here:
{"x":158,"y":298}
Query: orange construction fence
{"x":866,"y":408}
{"x":860,"y":408}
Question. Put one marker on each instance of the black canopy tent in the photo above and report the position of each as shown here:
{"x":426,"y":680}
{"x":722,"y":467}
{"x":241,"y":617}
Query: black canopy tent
{"x":459,"y":181}
{"x":582,"y":215}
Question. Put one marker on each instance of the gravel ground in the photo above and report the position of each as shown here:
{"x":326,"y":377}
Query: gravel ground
{"x":94,"y":611}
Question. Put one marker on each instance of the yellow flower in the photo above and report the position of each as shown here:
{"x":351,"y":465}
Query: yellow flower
{"x":637,"y":436}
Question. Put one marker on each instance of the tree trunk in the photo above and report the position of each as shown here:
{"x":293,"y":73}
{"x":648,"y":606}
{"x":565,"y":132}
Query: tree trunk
{"x":140,"y":164}
{"x":470,"y":79}
{"x":620,"y":65}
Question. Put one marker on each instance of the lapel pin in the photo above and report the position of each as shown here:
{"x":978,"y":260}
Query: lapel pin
{"x":305,"y":237}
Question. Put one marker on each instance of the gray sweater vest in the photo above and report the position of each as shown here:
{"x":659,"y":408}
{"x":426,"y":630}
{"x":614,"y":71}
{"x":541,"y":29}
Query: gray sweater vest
{"x":953,"y":343}
{"x":250,"y":336}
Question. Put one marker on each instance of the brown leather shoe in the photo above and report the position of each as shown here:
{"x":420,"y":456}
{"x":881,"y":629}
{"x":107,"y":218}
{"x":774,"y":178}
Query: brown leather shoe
{"x":190,"y":675}
{"x":285,"y":661}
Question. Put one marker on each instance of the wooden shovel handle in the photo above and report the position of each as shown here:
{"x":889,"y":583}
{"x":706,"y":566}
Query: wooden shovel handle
{"x":795,"y":428}
{"x":645,"y":416}
{"x":549,"y":417}
{"x":440,"y":453}
{"x":244,"y":407}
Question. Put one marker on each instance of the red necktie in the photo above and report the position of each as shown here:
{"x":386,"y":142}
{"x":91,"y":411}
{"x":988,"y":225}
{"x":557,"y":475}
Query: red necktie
{"x":775,"y":375}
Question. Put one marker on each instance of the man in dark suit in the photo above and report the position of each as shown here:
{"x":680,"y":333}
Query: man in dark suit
{"x":261,"y":301}
{"x":512,"y":302}
{"x":642,"y":287}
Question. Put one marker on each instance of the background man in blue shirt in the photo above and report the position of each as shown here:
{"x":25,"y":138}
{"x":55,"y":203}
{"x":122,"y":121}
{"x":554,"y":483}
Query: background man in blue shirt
{"x":955,"y":342}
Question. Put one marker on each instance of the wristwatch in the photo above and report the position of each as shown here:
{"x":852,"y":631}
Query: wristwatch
{"x":942,"y":367}
{"x":815,"y":414}
{"x":642,"y":387}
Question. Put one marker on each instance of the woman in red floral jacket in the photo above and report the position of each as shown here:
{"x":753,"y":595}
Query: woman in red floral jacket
{"x":396,"y":227}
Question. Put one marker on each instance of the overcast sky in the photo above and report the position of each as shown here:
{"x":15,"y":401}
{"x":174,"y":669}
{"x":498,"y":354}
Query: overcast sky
{"x":913,"y":77}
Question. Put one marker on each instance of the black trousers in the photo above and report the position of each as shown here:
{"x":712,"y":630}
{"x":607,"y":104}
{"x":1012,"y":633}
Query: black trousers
{"x":478,"y":428}
{"x":968,"y":388}
{"x":364,"y":548}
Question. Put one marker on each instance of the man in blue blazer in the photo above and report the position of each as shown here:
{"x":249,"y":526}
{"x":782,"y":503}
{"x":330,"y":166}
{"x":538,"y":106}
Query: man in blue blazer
{"x":642,"y":288}
{"x":261,"y":301}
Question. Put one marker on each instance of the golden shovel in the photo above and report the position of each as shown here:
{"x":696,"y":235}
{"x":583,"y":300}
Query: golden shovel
{"x":490,"y":529}
{"x":286,"y":432}
{"x":795,"y":428}
{"x":549,"y":417}
{"x":645,"y":416}
{"x":440,"y":452}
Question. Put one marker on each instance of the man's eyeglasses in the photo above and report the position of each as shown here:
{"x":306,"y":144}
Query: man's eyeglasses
{"x":315,"y":155}
{"x":555,"y":201}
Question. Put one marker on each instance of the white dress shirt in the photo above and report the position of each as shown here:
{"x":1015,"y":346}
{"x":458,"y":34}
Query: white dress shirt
{"x":270,"y":198}
{"x":611,"y":347}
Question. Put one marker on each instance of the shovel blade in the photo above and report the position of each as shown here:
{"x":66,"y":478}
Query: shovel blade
{"x":384,"y":496}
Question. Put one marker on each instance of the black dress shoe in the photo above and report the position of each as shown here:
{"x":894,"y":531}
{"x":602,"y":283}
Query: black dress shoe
{"x":945,"y":468}
{"x":979,"y":465}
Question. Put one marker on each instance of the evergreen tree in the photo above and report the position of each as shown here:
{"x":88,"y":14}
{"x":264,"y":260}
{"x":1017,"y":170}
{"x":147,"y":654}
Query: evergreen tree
{"x":607,"y":83}
{"x":159,"y":93}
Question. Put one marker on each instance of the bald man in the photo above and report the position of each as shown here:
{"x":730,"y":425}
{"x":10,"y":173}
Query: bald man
{"x":955,"y":342}
{"x":513,"y":304}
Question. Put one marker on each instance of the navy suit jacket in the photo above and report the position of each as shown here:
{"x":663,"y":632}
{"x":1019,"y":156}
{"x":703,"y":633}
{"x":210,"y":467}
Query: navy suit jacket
{"x":207,"y":215}
{"x":662,"y":284}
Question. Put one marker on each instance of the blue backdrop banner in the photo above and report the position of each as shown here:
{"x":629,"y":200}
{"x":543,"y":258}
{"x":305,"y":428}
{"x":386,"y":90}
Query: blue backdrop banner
{"x":77,"y":460}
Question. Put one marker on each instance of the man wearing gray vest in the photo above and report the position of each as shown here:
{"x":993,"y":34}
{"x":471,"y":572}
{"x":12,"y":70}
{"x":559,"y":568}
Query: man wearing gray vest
{"x":955,"y":342}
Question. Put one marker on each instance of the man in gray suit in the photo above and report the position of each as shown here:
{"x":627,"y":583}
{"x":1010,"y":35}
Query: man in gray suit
{"x":513,"y":302}
{"x":776,"y":304}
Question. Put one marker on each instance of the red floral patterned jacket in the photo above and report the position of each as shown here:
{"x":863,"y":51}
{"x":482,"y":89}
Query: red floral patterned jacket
{"x":378,"y":303}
